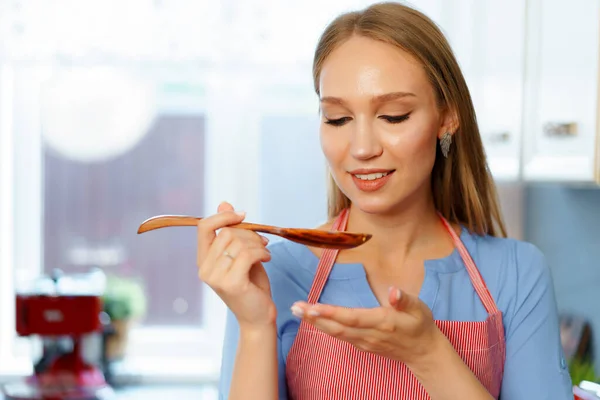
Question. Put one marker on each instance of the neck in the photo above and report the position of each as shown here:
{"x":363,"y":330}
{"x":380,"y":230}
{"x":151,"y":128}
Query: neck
{"x":413,"y":228}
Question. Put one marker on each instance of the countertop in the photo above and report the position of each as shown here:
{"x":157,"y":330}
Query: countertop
{"x":167,"y":392}
{"x":164,"y":392}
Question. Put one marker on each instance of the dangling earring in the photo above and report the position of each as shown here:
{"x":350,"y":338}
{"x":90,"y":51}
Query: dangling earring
{"x":445,"y":143}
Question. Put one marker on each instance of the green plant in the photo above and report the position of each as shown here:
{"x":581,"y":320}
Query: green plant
{"x":582,"y":370}
{"x":124,"y":298}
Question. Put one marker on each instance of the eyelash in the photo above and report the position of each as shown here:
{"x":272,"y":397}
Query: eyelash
{"x":392,"y":119}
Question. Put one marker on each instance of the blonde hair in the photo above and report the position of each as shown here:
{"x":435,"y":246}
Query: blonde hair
{"x":462,"y":186}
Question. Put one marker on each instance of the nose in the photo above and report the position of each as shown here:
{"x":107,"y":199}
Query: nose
{"x":365,"y":144}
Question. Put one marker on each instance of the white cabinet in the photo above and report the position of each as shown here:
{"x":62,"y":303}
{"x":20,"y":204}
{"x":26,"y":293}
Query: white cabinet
{"x":533,"y":71}
{"x":497,"y":82}
{"x":562,"y":97}
{"x":488,"y":38}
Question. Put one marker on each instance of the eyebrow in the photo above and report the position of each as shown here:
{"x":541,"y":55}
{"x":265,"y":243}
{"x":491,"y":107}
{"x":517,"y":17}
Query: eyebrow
{"x":376,"y":99}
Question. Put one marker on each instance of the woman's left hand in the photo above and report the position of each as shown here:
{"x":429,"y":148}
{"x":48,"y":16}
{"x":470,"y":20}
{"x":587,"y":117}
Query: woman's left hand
{"x":404,"y":330}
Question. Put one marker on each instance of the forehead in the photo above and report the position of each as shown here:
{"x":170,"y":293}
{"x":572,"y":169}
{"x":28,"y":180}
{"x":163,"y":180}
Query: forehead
{"x":366,"y":66}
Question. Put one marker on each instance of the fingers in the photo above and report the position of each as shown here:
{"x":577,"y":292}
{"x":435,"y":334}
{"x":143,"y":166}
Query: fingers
{"x":394,"y":295}
{"x":226,"y":258}
{"x":217,"y":262}
{"x":403,"y":301}
{"x":232,"y":250}
{"x":350,"y":317}
{"x":364,"y":338}
{"x":248,"y":257}
{"x":233,"y":240}
{"x":224,"y":206}
{"x":338,"y":330}
{"x":208,"y":226}
{"x":230,"y":274}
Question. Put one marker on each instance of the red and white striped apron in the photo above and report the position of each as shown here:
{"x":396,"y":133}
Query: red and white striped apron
{"x":320,"y":366}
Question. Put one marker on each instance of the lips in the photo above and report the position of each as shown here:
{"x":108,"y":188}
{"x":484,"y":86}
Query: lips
{"x":372,"y":176}
{"x":370,"y":180}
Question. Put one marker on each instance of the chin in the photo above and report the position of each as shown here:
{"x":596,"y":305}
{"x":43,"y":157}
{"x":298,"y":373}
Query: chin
{"x":376,"y":205}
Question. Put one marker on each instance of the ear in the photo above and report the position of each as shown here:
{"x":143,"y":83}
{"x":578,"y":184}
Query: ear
{"x":449,"y":122}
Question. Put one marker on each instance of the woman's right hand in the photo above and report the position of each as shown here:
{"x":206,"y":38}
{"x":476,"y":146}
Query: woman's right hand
{"x":230,"y":263}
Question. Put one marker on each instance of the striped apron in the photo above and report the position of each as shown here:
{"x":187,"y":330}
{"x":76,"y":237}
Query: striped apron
{"x":320,"y":366}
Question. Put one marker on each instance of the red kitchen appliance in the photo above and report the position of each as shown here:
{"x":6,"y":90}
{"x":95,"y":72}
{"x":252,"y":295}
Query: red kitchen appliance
{"x":62,"y":311}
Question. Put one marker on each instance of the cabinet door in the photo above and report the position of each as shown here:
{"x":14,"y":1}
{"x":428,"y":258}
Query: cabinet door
{"x":488,"y":40}
{"x":562,"y":97}
{"x":498,"y":76}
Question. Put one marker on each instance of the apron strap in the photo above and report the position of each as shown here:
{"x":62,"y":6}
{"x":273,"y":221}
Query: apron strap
{"x":476,"y":279}
{"x":327,"y":260}
{"x":329,"y":256}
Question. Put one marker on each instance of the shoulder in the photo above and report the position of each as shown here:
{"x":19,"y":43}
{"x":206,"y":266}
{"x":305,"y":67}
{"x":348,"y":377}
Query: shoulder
{"x":515,"y":271}
{"x":508,"y":249}
{"x":507,"y":259}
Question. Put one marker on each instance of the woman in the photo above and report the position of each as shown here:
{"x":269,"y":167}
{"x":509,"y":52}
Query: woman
{"x":437,"y":304}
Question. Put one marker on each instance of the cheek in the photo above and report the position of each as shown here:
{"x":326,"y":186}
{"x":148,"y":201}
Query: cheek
{"x":417,"y":142}
{"x":331,"y":145}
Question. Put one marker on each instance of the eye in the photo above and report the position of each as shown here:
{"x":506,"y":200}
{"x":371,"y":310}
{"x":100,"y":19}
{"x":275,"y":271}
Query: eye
{"x":395,"y":119}
{"x":337,"y":122}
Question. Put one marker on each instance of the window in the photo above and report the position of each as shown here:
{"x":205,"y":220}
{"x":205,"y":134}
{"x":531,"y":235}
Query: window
{"x":232,"y":137}
{"x":61,"y":210}
{"x":225,"y":123}
{"x":91,"y":209}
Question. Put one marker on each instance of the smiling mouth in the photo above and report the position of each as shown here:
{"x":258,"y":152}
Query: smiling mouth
{"x":372,"y":176}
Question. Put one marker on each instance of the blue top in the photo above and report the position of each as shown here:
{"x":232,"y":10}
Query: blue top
{"x":515,"y":273}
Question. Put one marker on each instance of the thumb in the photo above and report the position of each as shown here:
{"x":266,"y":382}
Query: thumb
{"x":402,"y":301}
{"x":224,"y":206}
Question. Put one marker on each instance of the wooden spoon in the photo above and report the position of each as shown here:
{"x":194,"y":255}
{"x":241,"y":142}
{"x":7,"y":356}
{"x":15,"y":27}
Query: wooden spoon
{"x":309,"y":237}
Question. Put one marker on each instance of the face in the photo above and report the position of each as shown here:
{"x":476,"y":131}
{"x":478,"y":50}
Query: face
{"x":380,"y":122}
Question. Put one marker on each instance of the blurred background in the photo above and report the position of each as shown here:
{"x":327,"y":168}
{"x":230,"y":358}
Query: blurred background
{"x":114,"y":111}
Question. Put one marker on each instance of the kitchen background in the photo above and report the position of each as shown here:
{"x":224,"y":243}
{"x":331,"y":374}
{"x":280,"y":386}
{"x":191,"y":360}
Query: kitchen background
{"x":117,"y":110}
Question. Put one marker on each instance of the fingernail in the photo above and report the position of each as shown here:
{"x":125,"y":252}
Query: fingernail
{"x":297,"y":311}
{"x":398,"y":294}
{"x":241,"y":213}
{"x":313,"y":313}
{"x":264,"y":239}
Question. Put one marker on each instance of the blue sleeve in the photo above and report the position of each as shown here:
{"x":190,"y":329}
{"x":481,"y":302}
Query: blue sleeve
{"x":535,"y":366}
{"x":228,"y":359}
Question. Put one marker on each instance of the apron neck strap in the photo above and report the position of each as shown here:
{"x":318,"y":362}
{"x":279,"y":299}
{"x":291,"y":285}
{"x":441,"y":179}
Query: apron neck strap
{"x":329,"y":256}
{"x":474,"y":274}
{"x":327,"y":260}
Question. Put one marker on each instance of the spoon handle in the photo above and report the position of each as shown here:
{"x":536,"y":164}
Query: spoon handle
{"x":165,"y":221}
{"x":309,"y":237}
